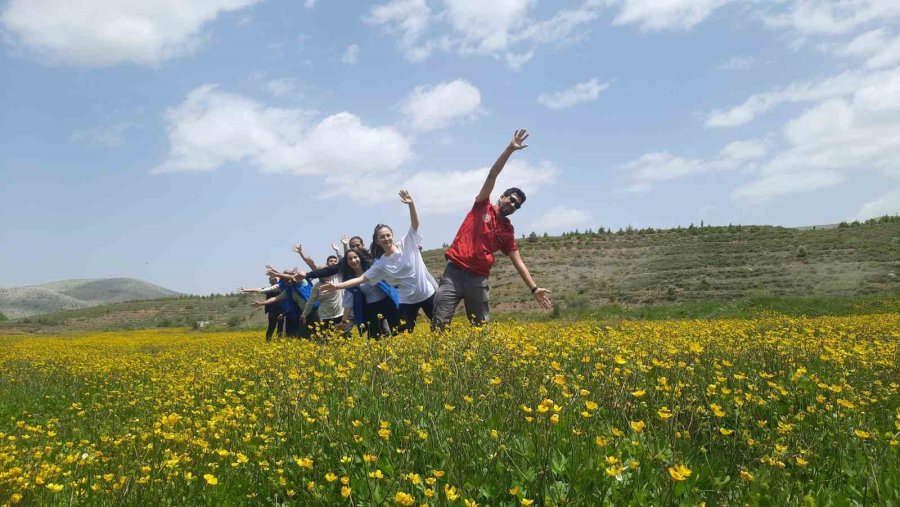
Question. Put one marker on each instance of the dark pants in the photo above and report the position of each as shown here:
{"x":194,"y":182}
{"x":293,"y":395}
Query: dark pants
{"x":273,"y":325}
{"x":390,"y":316}
{"x":307,"y":330}
{"x":457,"y":285}
{"x":410,"y":311}
{"x":292,"y":325}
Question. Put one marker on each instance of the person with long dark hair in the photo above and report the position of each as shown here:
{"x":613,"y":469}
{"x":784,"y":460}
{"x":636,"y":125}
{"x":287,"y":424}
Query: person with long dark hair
{"x":374,"y":307}
{"x":400,"y":265}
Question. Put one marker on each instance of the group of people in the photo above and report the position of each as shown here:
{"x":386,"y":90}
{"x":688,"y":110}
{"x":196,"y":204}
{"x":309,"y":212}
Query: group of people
{"x":382,"y":289}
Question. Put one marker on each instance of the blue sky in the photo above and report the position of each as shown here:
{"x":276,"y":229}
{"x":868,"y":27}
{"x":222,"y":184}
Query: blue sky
{"x":190,"y":143}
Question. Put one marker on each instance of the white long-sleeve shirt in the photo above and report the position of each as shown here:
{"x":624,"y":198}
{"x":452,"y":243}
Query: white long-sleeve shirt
{"x":330,"y":304}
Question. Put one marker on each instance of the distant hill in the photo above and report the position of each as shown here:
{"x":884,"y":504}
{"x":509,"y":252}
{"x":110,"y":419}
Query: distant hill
{"x":17,"y":302}
{"x":687,"y":270}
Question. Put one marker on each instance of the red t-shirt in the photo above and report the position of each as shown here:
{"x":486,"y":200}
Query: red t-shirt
{"x":483,"y":232}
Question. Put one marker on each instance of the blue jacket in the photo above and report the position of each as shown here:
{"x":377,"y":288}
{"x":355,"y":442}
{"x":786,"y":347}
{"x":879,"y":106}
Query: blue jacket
{"x":289,"y":304}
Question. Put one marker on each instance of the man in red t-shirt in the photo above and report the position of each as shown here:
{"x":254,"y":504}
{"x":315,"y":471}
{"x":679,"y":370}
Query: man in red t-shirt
{"x":485,"y":230}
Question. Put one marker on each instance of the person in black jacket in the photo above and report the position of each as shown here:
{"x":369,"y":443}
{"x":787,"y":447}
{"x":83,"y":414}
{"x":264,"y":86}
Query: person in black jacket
{"x":273,"y":310}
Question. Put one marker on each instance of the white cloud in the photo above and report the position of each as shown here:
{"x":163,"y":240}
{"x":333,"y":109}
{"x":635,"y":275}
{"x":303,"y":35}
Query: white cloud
{"x":834,"y":138}
{"x":580,"y":93}
{"x":435,"y":107}
{"x":779,"y":185}
{"x":516,"y":61}
{"x":109,"y":32}
{"x":499,"y":28}
{"x":666,"y":14}
{"x":212,"y":128}
{"x":351,"y":55}
{"x":447,"y":191}
{"x":562,"y":219}
{"x":739,"y":63}
{"x":564,"y":26}
{"x":886,"y":204}
{"x":843,"y":84}
{"x":829,"y":17}
{"x":485,"y":27}
{"x":281,"y":87}
{"x":877,"y":47}
{"x":110,"y":135}
{"x":309,"y":4}
{"x":410,"y":20}
{"x":750,"y":149}
{"x":652,"y":168}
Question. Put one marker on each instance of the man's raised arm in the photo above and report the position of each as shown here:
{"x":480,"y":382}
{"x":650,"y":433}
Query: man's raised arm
{"x":307,"y":259}
{"x":517,"y":143}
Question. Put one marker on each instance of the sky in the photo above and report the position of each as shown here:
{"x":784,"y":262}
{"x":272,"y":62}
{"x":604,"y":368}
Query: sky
{"x":188,"y":144}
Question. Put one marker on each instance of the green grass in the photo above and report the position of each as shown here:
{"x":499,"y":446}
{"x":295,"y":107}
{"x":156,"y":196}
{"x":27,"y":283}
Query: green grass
{"x":752,"y":307}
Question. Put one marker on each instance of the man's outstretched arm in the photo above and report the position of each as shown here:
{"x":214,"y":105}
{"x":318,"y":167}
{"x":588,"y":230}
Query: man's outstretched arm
{"x":307,"y":259}
{"x":541,"y":295}
{"x":517,"y":143}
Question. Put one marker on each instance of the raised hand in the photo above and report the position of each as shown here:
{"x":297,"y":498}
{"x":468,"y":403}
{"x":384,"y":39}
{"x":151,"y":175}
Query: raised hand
{"x":335,"y":248}
{"x":405,"y":198}
{"x":298,"y":248}
{"x":518,"y":140}
{"x":542,"y":296}
{"x":325,"y":288}
{"x":345,"y":240}
{"x":299,"y":275}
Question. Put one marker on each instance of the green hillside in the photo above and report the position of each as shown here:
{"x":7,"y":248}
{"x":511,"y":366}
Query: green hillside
{"x":640,"y":267}
{"x":689,"y":272}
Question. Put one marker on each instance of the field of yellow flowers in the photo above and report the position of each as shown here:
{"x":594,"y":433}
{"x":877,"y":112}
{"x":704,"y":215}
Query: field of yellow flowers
{"x":774,"y":410}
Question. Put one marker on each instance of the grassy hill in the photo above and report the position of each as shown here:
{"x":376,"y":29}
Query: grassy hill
{"x":695,"y":271}
{"x":52,"y":297}
{"x":640,"y":267}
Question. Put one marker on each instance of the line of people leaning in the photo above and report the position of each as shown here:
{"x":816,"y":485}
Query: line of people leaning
{"x":381,"y":290}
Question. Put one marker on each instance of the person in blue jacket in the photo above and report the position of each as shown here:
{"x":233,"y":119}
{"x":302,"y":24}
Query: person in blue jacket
{"x":373,"y":306}
{"x":293,"y":298}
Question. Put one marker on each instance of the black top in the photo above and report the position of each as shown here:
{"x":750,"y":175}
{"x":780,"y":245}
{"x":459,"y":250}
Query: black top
{"x":270,"y":294}
{"x":323,"y":272}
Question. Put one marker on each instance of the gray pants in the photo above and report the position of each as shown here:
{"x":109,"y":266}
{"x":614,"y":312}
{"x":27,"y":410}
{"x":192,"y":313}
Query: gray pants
{"x":458,"y":284}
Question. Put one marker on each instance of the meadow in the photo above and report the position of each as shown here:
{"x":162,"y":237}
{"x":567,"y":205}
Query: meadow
{"x":771,"y":410}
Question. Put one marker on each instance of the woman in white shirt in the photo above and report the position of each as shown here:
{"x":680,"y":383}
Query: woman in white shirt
{"x":400,"y":265}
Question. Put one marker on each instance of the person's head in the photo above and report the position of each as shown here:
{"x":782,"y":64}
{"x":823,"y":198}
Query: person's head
{"x":357,"y":242}
{"x":382,"y":238}
{"x":273,"y":280}
{"x":510,"y":201}
{"x":355,"y":261}
{"x":331,"y":260}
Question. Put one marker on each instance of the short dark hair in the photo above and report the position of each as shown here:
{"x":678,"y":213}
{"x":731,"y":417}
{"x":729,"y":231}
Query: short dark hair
{"x":335,"y":257}
{"x":359,"y":238}
{"x":515,"y":190}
